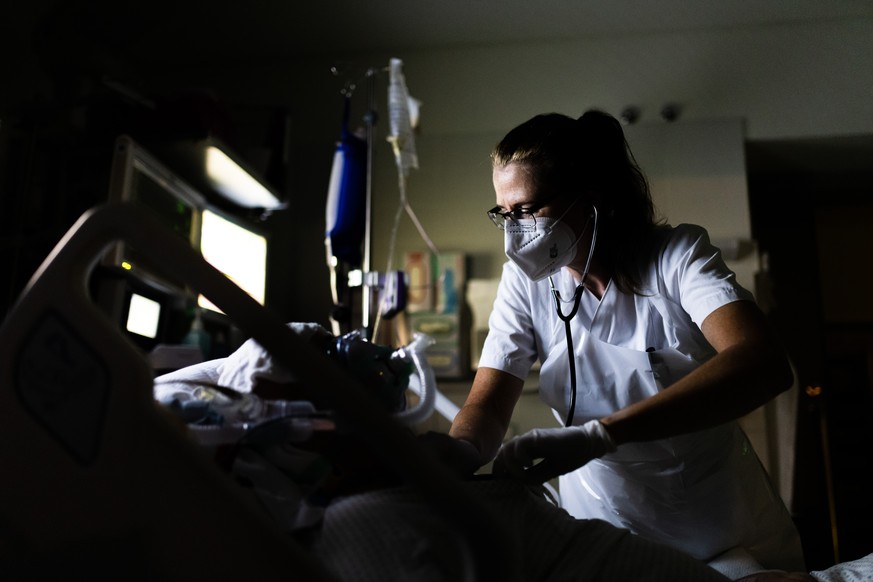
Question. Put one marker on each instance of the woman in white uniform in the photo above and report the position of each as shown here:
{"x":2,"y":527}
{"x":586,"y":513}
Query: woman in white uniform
{"x":649,"y":351}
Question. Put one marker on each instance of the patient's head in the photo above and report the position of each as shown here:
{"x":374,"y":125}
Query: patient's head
{"x":381,"y":370}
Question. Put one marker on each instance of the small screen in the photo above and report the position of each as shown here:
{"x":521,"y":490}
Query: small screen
{"x":236,"y":251}
{"x":143,"y":316}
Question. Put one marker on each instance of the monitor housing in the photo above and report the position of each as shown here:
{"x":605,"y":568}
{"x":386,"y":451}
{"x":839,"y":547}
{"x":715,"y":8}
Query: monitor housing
{"x":149,"y":306}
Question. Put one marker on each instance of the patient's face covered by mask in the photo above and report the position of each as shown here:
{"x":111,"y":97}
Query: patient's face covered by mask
{"x":381,"y":370}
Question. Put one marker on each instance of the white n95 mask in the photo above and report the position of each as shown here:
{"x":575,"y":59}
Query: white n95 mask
{"x":539,"y":247}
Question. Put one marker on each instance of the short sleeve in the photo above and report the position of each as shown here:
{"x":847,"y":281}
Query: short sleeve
{"x":510,"y":345}
{"x":694,"y":274}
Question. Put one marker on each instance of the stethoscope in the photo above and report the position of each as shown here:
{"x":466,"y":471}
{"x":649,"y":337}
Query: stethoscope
{"x":577,"y":297}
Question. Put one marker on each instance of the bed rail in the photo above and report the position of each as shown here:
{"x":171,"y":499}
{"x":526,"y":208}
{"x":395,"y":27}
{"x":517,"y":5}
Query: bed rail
{"x":91,"y":460}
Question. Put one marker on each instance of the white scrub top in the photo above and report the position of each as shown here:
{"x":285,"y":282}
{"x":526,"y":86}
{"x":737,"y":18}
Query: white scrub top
{"x":627,"y":347}
{"x":688,"y":275}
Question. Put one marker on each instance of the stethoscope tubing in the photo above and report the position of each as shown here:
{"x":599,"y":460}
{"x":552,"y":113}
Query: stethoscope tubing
{"x":577,"y":297}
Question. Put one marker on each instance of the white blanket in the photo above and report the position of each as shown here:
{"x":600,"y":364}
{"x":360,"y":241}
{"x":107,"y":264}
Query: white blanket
{"x":239,"y":371}
{"x":860,"y":570}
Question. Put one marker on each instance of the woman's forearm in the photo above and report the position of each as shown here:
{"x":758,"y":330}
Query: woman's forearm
{"x":484,"y":418}
{"x":479,"y":428}
{"x":733,"y":383}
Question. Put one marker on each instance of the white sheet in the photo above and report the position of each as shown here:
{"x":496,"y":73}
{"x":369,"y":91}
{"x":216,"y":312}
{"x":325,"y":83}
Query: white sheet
{"x":860,"y":570}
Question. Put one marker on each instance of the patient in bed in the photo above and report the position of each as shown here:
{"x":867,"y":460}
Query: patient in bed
{"x":353,"y":510}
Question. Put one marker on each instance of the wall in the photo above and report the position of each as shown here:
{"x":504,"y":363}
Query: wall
{"x":781,"y":81}
{"x":789,"y":80}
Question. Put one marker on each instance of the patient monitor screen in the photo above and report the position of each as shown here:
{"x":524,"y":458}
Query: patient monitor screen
{"x":143,"y":316}
{"x":238,"y":252}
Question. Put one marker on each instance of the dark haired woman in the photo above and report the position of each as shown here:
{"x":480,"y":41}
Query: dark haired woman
{"x":649,"y":351}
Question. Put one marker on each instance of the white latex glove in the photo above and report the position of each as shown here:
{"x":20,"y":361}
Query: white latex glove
{"x":559,"y":451}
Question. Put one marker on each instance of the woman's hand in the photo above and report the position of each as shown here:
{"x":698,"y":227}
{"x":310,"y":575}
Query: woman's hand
{"x":561,"y":450}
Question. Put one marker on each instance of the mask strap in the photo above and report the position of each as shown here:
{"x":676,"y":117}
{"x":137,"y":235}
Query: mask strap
{"x":560,"y":218}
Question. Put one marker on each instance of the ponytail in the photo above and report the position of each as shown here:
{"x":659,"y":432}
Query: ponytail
{"x":591,"y":155}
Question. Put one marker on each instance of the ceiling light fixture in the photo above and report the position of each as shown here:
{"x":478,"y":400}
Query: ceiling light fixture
{"x":235,"y":183}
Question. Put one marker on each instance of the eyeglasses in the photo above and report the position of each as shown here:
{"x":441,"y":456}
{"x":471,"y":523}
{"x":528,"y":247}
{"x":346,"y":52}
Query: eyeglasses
{"x":499,"y":217}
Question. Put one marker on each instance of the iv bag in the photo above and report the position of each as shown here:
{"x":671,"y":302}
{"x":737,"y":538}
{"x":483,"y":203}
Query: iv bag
{"x":401,"y":138}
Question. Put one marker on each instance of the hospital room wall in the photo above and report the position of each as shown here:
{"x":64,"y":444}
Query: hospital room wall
{"x":763,"y":82}
{"x":734,"y":84}
{"x":780,"y":81}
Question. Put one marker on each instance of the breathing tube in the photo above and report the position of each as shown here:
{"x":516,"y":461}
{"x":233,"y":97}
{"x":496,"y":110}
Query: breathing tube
{"x":577,"y":297}
{"x":422,"y":381}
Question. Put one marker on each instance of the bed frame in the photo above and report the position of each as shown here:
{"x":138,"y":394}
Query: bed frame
{"x":97,"y":477}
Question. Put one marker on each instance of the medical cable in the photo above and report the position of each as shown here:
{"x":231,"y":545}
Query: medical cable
{"x":577,"y":297}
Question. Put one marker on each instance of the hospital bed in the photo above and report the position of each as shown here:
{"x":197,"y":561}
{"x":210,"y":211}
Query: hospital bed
{"x":99,"y":481}
{"x":96,"y":476}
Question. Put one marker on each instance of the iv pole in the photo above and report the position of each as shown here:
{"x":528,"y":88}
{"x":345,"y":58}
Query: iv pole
{"x":370,"y":119}
{"x":367,"y":280}
{"x":370,"y":280}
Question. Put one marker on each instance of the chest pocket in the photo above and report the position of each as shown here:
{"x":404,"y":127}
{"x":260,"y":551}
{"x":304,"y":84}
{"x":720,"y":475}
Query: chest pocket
{"x":661,"y":334}
{"x":687,"y":334}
